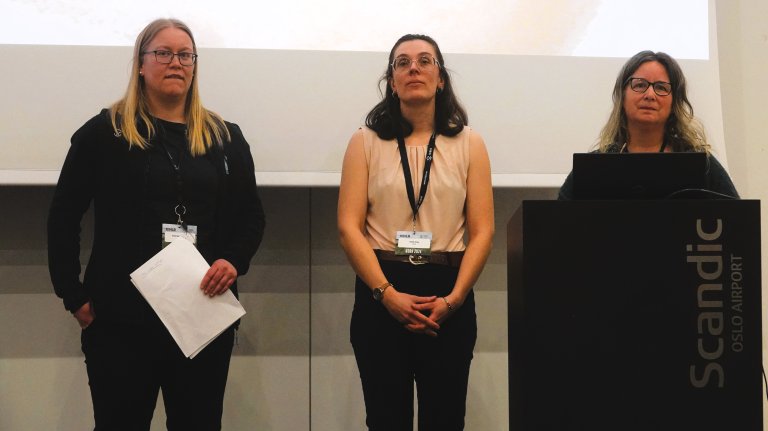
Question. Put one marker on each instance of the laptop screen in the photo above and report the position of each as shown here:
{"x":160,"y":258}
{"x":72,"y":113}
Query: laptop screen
{"x":637,"y":175}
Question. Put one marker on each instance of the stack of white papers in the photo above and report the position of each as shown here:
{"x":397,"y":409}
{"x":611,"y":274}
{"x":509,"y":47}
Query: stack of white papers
{"x":170,"y":282}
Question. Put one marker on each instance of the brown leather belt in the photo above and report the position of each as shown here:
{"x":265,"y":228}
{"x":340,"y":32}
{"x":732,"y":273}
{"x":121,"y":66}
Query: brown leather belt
{"x":447,"y":258}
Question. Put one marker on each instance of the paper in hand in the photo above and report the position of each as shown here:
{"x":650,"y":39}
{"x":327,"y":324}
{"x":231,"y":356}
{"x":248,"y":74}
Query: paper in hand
{"x":170,"y":282}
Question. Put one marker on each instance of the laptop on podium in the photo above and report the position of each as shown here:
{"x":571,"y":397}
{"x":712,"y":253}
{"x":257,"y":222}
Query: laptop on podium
{"x":638,"y":175}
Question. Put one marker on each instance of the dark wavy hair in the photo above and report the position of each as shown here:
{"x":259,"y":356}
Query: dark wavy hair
{"x":386,"y":119}
{"x":682,"y":132}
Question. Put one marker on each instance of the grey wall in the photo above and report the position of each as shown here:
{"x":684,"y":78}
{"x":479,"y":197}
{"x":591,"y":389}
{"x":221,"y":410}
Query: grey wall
{"x":293,"y":366}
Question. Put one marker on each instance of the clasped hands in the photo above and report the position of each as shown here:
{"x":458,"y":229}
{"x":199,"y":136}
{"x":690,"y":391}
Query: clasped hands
{"x":418,"y":314}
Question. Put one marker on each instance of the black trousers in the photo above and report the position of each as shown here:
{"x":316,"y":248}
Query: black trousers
{"x":390,"y":358}
{"x":128,"y":364}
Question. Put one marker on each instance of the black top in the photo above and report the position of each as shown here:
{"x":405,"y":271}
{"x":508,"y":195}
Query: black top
{"x":133,"y":192}
{"x":717,"y":179}
{"x":199,"y":183}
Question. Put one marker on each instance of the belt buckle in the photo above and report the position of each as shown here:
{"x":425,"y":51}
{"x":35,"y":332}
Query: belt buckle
{"x":419,"y":260}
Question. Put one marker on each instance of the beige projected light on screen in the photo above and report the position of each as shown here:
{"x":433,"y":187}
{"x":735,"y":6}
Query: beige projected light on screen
{"x":298,"y":76}
{"x":597,"y":28}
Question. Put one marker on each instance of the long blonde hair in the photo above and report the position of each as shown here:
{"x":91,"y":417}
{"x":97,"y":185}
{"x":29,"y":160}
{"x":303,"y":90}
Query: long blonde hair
{"x":204,"y":128}
{"x":682,"y":132}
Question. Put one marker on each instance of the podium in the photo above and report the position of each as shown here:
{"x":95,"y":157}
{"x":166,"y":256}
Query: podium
{"x":635,"y":315}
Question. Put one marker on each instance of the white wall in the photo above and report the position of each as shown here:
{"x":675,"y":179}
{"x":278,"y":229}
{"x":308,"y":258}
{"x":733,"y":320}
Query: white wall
{"x":743,"y":46}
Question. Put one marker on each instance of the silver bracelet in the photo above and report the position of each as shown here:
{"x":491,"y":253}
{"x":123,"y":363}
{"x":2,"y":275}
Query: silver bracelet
{"x":450,"y":307}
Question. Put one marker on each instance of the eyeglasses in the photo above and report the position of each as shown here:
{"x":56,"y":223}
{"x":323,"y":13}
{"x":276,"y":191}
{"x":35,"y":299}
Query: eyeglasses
{"x":640,"y":85}
{"x":166,"y":57}
{"x":424,"y":62}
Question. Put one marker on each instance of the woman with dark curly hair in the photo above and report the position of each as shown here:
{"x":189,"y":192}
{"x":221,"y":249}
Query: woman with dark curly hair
{"x":414,"y":181}
{"x":651,"y":113}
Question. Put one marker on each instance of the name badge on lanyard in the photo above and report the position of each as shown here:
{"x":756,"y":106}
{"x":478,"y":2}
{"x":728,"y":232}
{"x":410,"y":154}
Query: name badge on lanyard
{"x":413,"y":242}
{"x":179,"y":229}
{"x":173,"y":231}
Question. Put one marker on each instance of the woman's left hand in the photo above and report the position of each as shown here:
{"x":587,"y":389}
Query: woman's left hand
{"x":219,"y":278}
{"x":437,"y":310}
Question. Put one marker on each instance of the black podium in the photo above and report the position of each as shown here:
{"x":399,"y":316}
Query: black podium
{"x":635,"y":315}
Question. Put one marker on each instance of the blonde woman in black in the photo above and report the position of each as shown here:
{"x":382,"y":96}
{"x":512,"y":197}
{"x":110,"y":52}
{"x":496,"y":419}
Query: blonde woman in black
{"x":154,"y":159}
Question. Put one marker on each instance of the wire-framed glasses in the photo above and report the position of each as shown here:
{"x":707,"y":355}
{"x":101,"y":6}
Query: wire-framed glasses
{"x":423,"y":62}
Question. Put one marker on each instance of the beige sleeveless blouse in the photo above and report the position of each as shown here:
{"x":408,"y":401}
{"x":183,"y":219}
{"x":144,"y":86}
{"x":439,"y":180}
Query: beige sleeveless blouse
{"x":441,"y":212}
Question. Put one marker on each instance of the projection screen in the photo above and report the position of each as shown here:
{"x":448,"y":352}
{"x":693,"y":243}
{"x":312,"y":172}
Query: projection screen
{"x":299,"y":76}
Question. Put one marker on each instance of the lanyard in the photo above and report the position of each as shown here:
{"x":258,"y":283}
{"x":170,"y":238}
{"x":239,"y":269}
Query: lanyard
{"x":415,"y":205}
{"x":661,"y":149}
{"x":179,"y":209}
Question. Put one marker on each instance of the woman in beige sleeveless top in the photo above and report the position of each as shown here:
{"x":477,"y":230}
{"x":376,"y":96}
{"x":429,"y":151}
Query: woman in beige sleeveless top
{"x":415,"y":184}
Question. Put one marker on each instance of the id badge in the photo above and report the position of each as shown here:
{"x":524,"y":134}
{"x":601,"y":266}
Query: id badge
{"x":173,"y":231}
{"x":413,"y":243}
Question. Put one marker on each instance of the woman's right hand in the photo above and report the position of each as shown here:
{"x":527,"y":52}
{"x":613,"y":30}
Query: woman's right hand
{"x":84,"y":315}
{"x":401,"y":307}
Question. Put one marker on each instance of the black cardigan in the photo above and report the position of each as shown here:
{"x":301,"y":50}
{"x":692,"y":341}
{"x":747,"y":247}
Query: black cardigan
{"x":101,"y":168}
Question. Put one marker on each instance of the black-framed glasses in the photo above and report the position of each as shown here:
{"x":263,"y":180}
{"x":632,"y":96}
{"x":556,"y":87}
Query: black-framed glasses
{"x":423,"y":62}
{"x":166,"y":57}
{"x":640,"y":85}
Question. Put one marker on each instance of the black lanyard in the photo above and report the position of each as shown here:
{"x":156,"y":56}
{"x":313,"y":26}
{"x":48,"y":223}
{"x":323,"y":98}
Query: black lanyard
{"x":624,"y":149}
{"x":179,"y":209}
{"x":415,"y":205}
